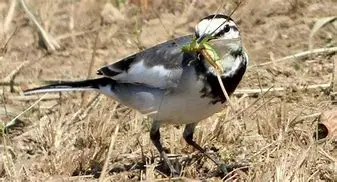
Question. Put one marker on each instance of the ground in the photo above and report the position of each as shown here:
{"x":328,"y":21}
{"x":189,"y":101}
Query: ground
{"x":83,"y":137}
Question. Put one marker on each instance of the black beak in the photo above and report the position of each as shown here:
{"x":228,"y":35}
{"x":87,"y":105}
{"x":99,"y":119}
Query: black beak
{"x":201,"y":38}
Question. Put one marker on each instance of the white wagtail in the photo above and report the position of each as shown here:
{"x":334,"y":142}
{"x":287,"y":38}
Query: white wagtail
{"x":170,"y":85}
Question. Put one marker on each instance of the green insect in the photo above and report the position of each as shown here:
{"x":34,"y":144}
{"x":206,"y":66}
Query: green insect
{"x":206,"y":50}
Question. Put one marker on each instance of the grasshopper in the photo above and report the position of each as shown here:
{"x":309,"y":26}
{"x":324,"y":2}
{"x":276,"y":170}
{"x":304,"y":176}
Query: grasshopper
{"x":206,"y":50}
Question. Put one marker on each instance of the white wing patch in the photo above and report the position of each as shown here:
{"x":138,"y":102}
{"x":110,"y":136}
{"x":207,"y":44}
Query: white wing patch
{"x":156,"y":76}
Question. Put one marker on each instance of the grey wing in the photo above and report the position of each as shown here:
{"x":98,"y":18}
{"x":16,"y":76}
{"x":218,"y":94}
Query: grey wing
{"x":160,"y":66}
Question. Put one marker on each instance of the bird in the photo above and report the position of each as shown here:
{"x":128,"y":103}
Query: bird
{"x":170,"y":85}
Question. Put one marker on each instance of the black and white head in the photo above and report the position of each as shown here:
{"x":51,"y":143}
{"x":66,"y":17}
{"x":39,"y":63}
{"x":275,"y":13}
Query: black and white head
{"x":224,"y":37}
{"x":217,"y":27}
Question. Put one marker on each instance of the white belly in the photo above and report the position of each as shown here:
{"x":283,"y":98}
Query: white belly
{"x":175,"y":110}
{"x":185,"y":105}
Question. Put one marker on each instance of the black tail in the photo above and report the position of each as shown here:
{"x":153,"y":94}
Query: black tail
{"x":61,"y":86}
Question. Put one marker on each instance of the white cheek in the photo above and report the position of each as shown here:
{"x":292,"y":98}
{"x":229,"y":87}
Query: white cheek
{"x":231,"y":34}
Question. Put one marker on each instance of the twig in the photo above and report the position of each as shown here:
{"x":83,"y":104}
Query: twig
{"x":324,"y":153}
{"x":91,"y":64}
{"x":33,"y":97}
{"x":313,"y":175}
{"x":301,"y":55}
{"x":7,"y":83}
{"x":262,"y":150}
{"x":25,"y":82}
{"x":225,"y":92}
{"x":80,"y":33}
{"x":238,"y":5}
{"x":93,"y":55}
{"x":307,"y":117}
{"x":333,"y":74}
{"x":93,"y":103}
{"x":4,"y":101}
{"x":4,"y":46}
{"x":249,"y":106}
{"x":20,"y":82}
{"x":230,"y":173}
{"x":12,"y":122}
{"x":10,"y":15}
{"x":51,"y":43}
{"x":112,"y":142}
{"x":257,"y":91}
{"x":8,"y":156}
{"x":71,"y":20}
{"x":10,"y":78}
{"x":171,"y":179}
{"x":260,"y":106}
{"x":15,"y":71}
{"x":300,"y":160}
{"x":84,"y":110}
{"x":77,"y":178}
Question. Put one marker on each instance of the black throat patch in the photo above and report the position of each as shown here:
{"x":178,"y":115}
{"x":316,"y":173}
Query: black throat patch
{"x":212,"y":87}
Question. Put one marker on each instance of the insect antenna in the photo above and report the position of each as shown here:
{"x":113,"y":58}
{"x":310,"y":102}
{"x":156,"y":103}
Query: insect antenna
{"x":201,"y":38}
{"x":238,"y":5}
{"x":233,"y":11}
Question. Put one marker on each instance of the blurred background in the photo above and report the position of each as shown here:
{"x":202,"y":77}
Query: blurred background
{"x":290,"y":82}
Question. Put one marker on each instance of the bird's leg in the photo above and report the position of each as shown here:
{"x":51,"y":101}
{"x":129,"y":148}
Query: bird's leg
{"x":155,"y":138}
{"x":188,"y":136}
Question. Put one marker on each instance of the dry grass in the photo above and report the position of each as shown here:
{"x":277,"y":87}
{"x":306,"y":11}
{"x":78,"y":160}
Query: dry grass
{"x":67,"y":137}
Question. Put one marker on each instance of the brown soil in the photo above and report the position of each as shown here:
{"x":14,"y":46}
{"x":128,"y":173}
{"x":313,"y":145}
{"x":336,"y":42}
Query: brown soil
{"x":67,"y":137}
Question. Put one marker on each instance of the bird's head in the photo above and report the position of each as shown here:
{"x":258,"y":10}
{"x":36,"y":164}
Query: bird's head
{"x":217,"y":26}
{"x":223,"y":35}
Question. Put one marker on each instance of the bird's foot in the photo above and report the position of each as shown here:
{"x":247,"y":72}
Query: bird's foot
{"x":168,"y":168}
{"x":174,"y":173}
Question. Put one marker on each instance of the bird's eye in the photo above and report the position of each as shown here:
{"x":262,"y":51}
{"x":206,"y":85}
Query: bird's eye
{"x":227,"y":28}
